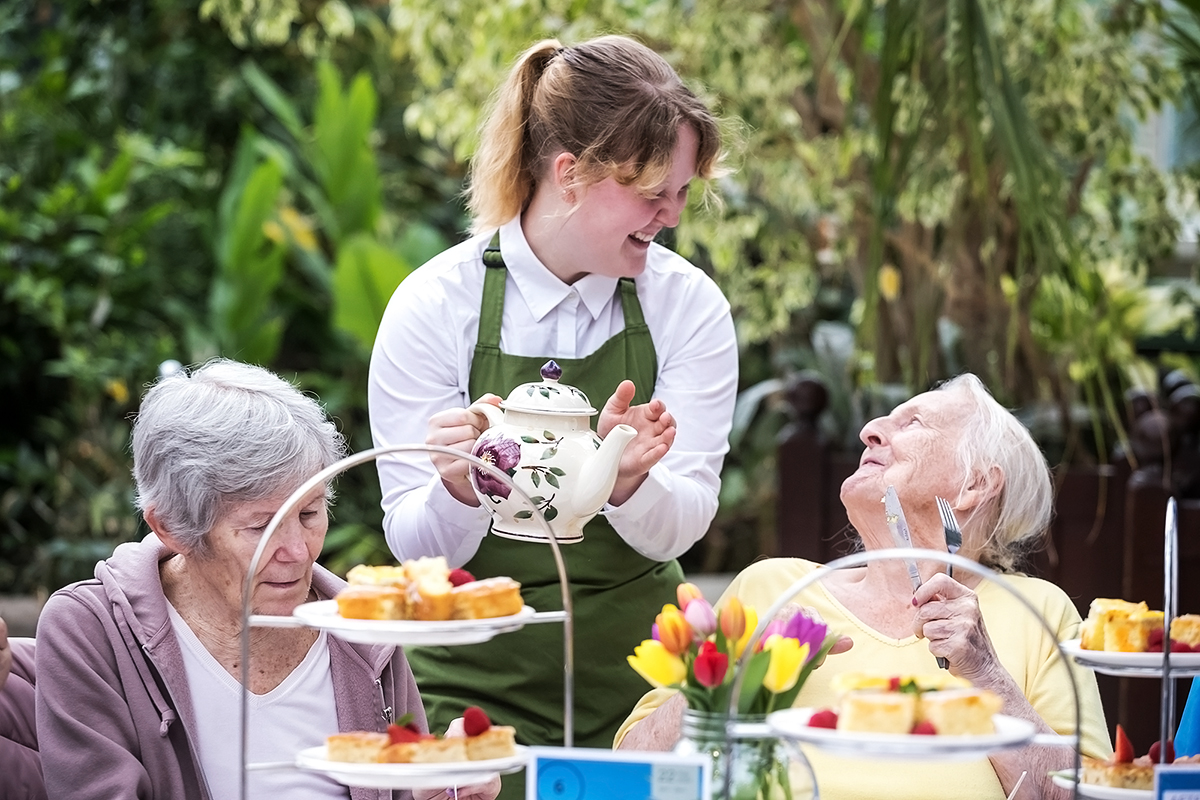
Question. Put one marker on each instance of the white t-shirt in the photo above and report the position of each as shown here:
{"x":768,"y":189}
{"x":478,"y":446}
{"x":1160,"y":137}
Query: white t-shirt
{"x":297,"y":714}
{"x":421,"y":365}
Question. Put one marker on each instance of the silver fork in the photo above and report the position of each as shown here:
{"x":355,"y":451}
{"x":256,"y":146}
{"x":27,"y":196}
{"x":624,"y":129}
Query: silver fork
{"x":951,"y":529}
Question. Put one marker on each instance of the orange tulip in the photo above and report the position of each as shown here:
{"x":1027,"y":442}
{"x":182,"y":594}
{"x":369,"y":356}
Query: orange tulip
{"x":686,"y":593}
{"x":733,"y":619}
{"x":673,"y":630}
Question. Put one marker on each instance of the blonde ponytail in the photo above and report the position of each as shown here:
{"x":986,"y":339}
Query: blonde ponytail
{"x":612,"y":102}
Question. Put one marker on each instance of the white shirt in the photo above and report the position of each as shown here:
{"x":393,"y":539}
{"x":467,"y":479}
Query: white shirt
{"x":297,"y":714}
{"x":421,"y":364}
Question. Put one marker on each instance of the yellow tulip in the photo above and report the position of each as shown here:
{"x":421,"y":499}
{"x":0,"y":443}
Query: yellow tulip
{"x":787,"y":657}
{"x":673,"y":630}
{"x":656,"y":664}
{"x":751,"y":624}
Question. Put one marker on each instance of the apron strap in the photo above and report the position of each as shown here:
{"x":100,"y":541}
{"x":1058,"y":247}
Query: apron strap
{"x":630,"y":306}
{"x":491,"y":310}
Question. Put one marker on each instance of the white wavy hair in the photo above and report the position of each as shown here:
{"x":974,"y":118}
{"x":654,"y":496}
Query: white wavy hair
{"x":228,"y":433}
{"x":1015,"y":521}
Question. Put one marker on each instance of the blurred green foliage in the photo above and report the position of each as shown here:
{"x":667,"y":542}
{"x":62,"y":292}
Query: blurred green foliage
{"x":162,"y":197}
{"x":918,"y":188}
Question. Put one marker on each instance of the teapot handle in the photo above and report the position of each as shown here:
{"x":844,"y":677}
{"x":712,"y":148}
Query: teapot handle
{"x":494,"y":415}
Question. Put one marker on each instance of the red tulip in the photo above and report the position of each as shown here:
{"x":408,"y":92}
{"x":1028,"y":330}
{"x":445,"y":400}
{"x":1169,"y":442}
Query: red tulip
{"x":710,"y":666}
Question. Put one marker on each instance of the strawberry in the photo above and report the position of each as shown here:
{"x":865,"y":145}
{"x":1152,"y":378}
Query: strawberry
{"x":1155,"y":640}
{"x":894,"y":683}
{"x":399,"y":734}
{"x":459,"y":576}
{"x":825,"y":718}
{"x":1156,"y":751}
{"x":475,"y":721}
{"x":924,"y":728}
{"x":1123,"y":753}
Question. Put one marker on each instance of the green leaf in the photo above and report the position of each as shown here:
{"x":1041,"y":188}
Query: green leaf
{"x":755,"y":670}
{"x":557,"y":471}
{"x":366,"y":275}
{"x":550,"y":479}
{"x":271,"y":96}
{"x":523,"y":515}
{"x":537,"y":480}
{"x":550,"y":512}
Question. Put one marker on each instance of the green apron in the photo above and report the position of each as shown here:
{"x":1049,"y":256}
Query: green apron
{"x":518,"y":677}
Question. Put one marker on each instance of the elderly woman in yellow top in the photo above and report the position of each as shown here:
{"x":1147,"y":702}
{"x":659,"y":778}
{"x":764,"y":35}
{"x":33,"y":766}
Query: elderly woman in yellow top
{"x":958,"y":443}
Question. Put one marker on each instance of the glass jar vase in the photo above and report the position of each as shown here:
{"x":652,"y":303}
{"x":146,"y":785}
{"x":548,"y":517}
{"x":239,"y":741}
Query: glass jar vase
{"x":749,"y":762}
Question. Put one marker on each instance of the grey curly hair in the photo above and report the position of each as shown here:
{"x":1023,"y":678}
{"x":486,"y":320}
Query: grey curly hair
{"x":227,"y":433}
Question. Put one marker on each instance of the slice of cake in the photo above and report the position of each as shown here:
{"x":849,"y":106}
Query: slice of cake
{"x":424,"y":750}
{"x":485,"y":740}
{"x":371,"y":602}
{"x":430,"y":588}
{"x":1131,"y":632}
{"x":1103,"y":613}
{"x":360,"y":747}
{"x":878,"y":712}
{"x":1186,"y":629}
{"x":961,"y":712}
{"x":491,"y":597}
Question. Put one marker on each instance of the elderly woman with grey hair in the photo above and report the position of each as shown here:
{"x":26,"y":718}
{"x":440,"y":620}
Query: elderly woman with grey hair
{"x":957,"y":443}
{"x":139,"y":670}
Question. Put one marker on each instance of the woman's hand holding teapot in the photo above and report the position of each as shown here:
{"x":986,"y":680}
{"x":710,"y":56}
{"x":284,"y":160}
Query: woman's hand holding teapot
{"x":655,"y":434}
{"x":457,"y":428}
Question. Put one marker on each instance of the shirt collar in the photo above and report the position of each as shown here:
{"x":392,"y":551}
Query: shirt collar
{"x":541,"y":288}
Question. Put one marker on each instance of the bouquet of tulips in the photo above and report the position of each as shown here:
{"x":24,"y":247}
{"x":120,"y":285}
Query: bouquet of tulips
{"x":695,"y":648}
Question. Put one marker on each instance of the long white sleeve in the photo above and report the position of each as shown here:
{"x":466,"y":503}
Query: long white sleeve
{"x":421,"y":365}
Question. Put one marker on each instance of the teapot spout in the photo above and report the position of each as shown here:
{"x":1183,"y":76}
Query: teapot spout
{"x":599,"y":474}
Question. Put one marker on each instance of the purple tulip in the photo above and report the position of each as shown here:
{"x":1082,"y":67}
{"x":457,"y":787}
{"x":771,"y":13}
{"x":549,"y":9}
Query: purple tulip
{"x":701,"y":617}
{"x":806,"y":630}
{"x":773,"y":627}
{"x":502,"y":453}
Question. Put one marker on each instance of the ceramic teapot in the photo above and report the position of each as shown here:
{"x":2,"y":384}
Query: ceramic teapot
{"x":544,"y":441}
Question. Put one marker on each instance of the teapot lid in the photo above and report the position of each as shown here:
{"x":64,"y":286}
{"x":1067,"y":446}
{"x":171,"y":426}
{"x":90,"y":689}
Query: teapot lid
{"x":548,"y":396}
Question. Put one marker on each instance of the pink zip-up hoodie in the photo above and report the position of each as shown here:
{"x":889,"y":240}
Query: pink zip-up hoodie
{"x":114,"y":712}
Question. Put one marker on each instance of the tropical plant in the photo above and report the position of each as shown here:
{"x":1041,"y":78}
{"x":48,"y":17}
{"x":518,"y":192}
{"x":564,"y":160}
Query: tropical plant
{"x":149,"y":216}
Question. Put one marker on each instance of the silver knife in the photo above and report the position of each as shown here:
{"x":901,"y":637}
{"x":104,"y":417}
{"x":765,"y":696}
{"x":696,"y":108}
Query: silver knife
{"x":899,"y":528}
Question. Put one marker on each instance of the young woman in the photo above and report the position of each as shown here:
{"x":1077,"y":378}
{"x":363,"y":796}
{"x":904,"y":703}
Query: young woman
{"x":587,"y":155}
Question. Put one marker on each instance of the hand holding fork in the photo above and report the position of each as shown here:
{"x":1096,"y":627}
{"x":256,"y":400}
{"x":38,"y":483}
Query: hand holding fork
{"x":951,"y":529}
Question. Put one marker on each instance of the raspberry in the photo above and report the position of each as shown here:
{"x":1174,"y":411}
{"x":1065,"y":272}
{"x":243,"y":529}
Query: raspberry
{"x":924,"y":728}
{"x":1156,"y":751}
{"x":475,"y":721}
{"x":825,"y":718}
{"x":459,"y":576}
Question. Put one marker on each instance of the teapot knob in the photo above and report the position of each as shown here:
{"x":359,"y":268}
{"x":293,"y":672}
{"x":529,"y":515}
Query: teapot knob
{"x":551,"y":371}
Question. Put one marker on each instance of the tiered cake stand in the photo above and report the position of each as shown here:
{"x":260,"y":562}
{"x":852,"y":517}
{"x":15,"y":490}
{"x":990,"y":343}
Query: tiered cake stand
{"x":323,"y":615}
{"x":1168,"y":666}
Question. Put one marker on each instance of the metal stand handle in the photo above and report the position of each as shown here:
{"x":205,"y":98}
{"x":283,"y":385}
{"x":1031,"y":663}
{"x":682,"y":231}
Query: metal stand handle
{"x":332,"y":471}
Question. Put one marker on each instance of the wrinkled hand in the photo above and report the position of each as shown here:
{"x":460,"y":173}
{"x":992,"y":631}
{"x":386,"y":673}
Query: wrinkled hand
{"x":457,"y":428}
{"x":5,"y":653}
{"x":475,"y":791}
{"x":948,"y":616}
{"x":655,"y":434}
